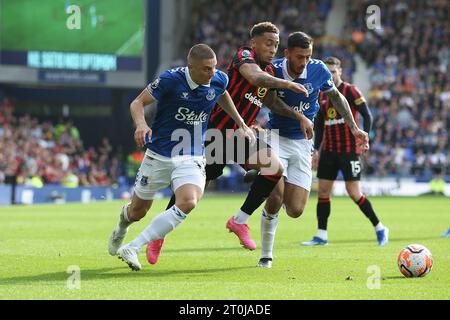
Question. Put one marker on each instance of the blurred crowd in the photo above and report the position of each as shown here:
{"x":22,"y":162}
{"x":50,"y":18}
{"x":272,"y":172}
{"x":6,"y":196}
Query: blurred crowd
{"x":39,"y":153}
{"x":410,"y":85}
{"x":225,"y":26}
{"x":409,"y":90}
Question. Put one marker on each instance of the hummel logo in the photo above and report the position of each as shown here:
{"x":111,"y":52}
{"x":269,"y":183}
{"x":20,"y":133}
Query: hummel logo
{"x":178,"y":213}
{"x":184,"y":95}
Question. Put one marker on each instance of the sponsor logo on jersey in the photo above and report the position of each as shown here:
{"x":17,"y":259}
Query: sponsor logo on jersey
{"x":184,"y":95}
{"x":332,"y":113}
{"x":262,"y":92}
{"x":253,"y":100}
{"x":188,"y":116}
{"x":334,"y":122}
{"x":304,"y":106}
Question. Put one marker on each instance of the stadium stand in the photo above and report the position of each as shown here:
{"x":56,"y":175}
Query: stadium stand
{"x":41,"y":153}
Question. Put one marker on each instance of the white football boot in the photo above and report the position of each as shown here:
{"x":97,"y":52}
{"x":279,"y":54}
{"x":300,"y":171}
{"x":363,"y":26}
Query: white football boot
{"x":129,"y":254}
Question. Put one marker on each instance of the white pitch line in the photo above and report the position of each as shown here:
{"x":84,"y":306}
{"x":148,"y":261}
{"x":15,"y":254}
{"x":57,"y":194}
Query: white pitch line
{"x":129,"y":42}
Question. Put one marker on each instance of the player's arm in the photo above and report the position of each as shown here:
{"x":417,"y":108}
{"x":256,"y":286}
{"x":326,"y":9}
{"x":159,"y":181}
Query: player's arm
{"x":137,"y":112}
{"x":259,"y":78}
{"x":367,"y":117}
{"x":360,"y":102}
{"x":280,"y":107}
{"x":226,"y":103}
{"x":342,"y":106}
{"x":318,"y":138}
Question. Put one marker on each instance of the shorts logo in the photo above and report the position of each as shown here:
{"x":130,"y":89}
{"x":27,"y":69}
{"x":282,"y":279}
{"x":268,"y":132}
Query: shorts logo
{"x":262,"y":92}
{"x":211,"y":95}
{"x":144,"y":181}
{"x":332,"y":113}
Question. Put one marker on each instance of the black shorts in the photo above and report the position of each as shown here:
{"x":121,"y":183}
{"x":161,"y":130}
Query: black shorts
{"x":330,"y":163}
{"x":236,"y":152}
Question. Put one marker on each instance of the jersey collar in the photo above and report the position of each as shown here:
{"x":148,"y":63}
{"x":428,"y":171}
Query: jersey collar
{"x":286,"y":75}
{"x":191,"y":82}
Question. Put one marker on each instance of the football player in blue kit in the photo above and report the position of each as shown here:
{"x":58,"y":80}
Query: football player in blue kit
{"x":185,"y":98}
{"x":294,"y":150}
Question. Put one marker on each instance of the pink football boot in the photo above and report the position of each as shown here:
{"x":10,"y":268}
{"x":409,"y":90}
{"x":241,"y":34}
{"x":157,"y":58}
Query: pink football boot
{"x":242,"y":231}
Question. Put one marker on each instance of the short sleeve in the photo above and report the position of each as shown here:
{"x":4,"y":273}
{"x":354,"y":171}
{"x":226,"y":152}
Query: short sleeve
{"x":244,"y":55}
{"x":223,"y":79}
{"x":327,"y":79}
{"x":357,"y":97}
{"x":159,"y":87}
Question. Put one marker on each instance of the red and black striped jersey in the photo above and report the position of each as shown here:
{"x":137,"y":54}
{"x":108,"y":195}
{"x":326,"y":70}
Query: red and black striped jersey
{"x":247,"y":98}
{"x":337,"y":136}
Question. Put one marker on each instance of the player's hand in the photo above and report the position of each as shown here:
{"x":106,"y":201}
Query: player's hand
{"x":363,"y":140}
{"x":315,"y":160}
{"x":297,"y":87}
{"x":257,"y":128}
{"x":246,"y":132}
{"x":140,"y":134}
{"x":307,"y":127}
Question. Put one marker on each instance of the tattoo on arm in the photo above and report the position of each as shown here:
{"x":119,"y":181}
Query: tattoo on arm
{"x":267,"y":81}
{"x":342,"y":106}
{"x":278,"y":106}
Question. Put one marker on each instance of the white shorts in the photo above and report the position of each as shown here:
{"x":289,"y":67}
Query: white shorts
{"x":158,"y":172}
{"x":296,"y":157}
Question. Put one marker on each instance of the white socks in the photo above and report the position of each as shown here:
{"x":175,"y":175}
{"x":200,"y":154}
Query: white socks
{"x":269,"y":223}
{"x":379,"y":226}
{"x":161,"y":225}
{"x":124,"y":221}
{"x":241,"y":217}
{"x":322,"y":234}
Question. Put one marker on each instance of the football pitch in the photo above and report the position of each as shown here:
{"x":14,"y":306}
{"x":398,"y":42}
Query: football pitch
{"x":41,"y":246}
{"x":107,"y":26}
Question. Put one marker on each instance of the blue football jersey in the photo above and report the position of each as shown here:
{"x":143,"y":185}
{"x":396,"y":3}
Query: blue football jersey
{"x":316,"y":77}
{"x":183,"y":110}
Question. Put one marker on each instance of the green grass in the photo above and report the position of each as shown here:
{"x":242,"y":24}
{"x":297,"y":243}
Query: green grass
{"x":200,"y":260}
{"x":41,"y":25}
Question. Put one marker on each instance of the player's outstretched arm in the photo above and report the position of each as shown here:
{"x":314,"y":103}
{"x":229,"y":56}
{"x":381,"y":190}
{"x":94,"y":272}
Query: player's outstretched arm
{"x":253,"y":73}
{"x":342,"y":106}
{"x":137,"y":112}
{"x":279,"y":106}
{"x":227,"y":104}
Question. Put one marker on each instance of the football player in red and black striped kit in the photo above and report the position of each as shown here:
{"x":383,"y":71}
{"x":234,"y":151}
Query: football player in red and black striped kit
{"x":250,"y":80}
{"x":339,"y":151}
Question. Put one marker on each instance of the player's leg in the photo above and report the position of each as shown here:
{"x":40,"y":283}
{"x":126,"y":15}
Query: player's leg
{"x":354,"y":191}
{"x":270,"y":172}
{"x":293,"y":190}
{"x":130,"y":213}
{"x":269,"y":223}
{"x":153,"y":176}
{"x":138,"y":207}
{"x":327,"y":171}
{"x":188,"y":182}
